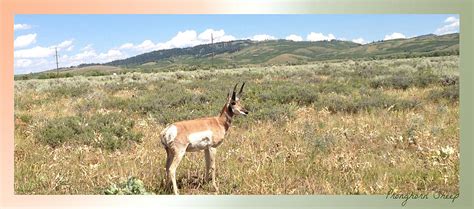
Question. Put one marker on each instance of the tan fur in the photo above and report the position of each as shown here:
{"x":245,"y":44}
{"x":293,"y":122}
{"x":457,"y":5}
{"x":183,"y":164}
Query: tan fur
{"x":191,"y":126}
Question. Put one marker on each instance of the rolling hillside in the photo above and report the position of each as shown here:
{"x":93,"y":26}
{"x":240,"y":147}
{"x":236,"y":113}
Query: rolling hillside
{"x":245,"y":52}
{"x":273,"y":52}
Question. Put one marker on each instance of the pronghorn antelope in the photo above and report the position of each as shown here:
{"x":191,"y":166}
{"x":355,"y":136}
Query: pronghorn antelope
{"x":200,"y":134}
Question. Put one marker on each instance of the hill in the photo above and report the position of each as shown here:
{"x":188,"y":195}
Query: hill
{"x":273,"y":52}
{"x":244,"y":52}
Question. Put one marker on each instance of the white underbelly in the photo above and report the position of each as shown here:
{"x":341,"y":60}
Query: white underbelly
{"x":199,"y":141}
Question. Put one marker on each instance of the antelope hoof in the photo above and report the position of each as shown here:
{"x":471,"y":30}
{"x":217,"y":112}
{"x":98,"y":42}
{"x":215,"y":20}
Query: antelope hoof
{"x":215,"y":188}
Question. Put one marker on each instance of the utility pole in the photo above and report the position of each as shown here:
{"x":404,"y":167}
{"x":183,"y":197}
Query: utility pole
{"x":57,"y":63}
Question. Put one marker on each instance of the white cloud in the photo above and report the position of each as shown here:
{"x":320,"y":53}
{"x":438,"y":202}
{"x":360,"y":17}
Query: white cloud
{"x":294,"y":37}
{"x":111,"y":55}
{"x":262,"y":37}
{"x":190,"y":38}
{"x":67,"y":45}
{"x":182,"y":39}
{"x":23,"y":63}
{"x":42,"y":52}
{"x":187,"y":38}
{"x":451,"y":26}
{"x":218,"y":35}
{"x":359,"y":41}
{"x":87,"y":47}
{"x":146,"y":46}
{"x":21,"y":26}
{"x":394,"y":35}
{"x":35,"y":52}
{"x":85,"y":55}
{"x":25,"y":40}
{"x":40,"y":58}
{"x":126,"y":46}
{"x":63,"y":45}
{"x":89,"y":55}
{"x":33,"y":65}
{"x":451,"y":19}
{"x":320,"y":37}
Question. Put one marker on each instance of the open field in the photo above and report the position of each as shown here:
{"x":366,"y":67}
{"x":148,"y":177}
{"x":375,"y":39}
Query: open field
{"x":345,"y":127}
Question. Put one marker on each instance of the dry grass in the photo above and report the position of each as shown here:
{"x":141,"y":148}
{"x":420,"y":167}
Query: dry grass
{"x":310,"y":150}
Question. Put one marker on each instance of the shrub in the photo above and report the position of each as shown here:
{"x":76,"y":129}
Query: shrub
{"x":111,"y":131}
{"x":334,"y":87}
{"x":47,"y":76}
{"x":398,"y":81}
{"x":69,"y":90}
{"x":271,"y":112}
{"x":133,"y":186}
{"x":336,"y":103}
{"x":424,"y":78}
{"x":25,"y":118}
{"x":364,"y":102}
{"x":288,"y":93}
{"x":60,"y":130}
{"x":95,"y":73}
{"x":449,"y":93}
{"x":448,"y":80}
{"x":115,"y":129}
{"x":319,"y":142}
{"x":405,"y":79}
{"x":367,"y":71}
{"x":323,"y":142}
{"x":22,"y":77}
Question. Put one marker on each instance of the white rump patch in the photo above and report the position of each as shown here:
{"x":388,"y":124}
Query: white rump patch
{"x":170,"y":134}
{"x":199,"y":140}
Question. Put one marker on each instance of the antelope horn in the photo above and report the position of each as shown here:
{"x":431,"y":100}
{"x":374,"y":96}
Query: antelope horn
{"x":241,"y":88}
{"x":233,"y":92}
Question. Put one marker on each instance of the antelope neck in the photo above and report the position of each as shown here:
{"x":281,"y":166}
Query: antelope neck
{"x":225,"y":118}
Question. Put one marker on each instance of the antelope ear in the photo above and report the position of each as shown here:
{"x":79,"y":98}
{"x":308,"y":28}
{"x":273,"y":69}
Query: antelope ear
{"x":228,"y":96}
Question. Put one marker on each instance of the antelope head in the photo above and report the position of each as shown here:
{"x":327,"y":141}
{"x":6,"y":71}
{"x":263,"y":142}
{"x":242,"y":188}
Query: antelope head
{"x":233,"y":101}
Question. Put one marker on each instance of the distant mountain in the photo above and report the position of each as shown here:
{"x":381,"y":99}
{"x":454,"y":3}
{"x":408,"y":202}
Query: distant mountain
{"x":244,"y":52}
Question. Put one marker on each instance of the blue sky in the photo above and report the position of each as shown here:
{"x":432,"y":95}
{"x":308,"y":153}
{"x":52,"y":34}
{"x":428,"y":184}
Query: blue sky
{"x":102,"y":38}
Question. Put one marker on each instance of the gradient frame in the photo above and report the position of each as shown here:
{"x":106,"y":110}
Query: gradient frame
{"x":9,"y":8}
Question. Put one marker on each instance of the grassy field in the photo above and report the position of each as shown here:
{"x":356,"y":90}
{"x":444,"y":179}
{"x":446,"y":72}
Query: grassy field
{"x":345,"y":127}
